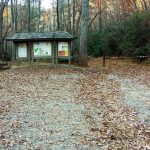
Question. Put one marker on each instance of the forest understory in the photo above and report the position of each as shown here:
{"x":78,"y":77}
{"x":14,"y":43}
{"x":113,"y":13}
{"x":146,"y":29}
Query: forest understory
{"x":73,"y":108}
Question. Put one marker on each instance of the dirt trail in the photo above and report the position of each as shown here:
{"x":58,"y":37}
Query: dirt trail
{"x":135,"y":95}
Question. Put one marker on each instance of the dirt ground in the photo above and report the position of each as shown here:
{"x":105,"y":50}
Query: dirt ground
{"x":71,"y":108}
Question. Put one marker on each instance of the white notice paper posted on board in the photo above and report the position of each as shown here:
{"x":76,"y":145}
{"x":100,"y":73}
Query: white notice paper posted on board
{"x":22,"y":50}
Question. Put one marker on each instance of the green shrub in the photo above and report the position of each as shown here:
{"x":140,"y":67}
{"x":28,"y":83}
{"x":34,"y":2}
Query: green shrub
{"x":94,"y":45}
{"x":128,"y":38}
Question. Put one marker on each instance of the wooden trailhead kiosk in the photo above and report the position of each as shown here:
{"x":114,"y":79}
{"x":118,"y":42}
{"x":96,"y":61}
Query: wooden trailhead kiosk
{"x":52,"y":45}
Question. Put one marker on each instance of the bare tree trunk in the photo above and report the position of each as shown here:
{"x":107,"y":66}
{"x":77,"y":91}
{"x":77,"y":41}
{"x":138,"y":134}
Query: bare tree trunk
{"x":78,"y":22}
{"x":144,"y":4}
{"x":74,"y":16}
{"x":64,"y":22}
{"x":69,"y":16}
{"x":124,"y":9}
{"x":39,"y":14}
{"x":16,"y":16}
{"x":28,"y":16}
{"x":100,"y":11}
{"x":83,"y":56}
{"x":116,"y":10}
{"x":12,"y":28}
{"x":99,"y":5}
{"x":61,"y":14}
{"x":58,"y":24}
{"x":100,"y":15}
{"x":2,"y":7}
{"x":133,"y":5}
{"x":7,"y":27}
{"x":1,"y":25}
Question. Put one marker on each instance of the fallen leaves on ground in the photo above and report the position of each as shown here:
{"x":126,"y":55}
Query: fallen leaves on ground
{"x":120,"y":127}
{"x":126,"y":67}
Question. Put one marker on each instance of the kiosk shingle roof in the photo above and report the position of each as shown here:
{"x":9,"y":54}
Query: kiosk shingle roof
{"x":35,"y":36}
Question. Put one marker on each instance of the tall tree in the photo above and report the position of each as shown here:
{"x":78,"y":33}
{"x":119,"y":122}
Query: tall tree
{"x":83,"y":56}
{"x":1,"y":25}
{"x":69,"y":16}
{"x":28,"y":15}
{"x":39,"y":14}
{"x":58,"y":25}
{"x":74,"y":17}
{"x":62,"y":18}
{"x":16,"y":15}
{"x":3,"y":4}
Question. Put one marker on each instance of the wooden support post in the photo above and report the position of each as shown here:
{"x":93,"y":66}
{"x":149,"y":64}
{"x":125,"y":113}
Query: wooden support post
{"x":31,"y":49}
{"x":16,"y":51}
{"x":32,"y":54}
{"x":56,"y":50}
{"x":69,"y":52}
{"x":28,"y":50}
{"x":53,"y":52}
{"x":13,"y":56}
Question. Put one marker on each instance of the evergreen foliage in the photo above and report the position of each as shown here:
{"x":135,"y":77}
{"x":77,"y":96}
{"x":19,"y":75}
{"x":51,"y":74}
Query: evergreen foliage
{"x":128,"y":38}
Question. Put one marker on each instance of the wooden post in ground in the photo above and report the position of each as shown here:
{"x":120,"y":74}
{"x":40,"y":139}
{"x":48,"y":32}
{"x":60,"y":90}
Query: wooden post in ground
{"x":104,"y":59}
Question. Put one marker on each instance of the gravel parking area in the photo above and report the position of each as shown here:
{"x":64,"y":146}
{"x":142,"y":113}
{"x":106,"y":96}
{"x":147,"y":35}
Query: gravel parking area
{"x":39,"y":111}
{"x":58,"y":108}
